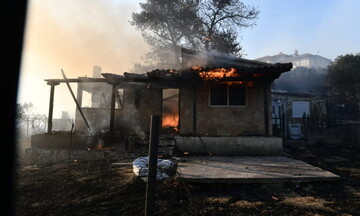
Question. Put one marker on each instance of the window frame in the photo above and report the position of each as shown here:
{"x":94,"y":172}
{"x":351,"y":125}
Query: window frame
{"x":227,"y":97}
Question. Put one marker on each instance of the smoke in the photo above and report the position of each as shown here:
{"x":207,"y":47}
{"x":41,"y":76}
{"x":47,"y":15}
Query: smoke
{"x":132,"y":122}
{"x":75,"y":36}
{"x":207,"y":59}
{"x":79,"y":34}
{"x":303,"y":80}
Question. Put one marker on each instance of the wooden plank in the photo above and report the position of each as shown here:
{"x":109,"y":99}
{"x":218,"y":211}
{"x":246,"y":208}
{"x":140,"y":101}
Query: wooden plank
{"x":76,"y":102}
{"x":266,"y":111}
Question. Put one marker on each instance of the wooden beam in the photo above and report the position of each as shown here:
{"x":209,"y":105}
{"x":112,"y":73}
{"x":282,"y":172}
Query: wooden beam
{"x":112,"y":113}
{"x":81,"y":79}
{"x":51,"y":105}
{"x":194,"y":115}
{"x":74,"y":98}
{"x":266,"y":110}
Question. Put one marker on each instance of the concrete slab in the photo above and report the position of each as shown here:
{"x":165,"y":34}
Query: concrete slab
{"x":242,"y":169}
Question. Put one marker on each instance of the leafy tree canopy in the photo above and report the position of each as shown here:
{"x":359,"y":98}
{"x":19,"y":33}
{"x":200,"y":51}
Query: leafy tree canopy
{"x":344,"y":76}
{"x":211,"y":25}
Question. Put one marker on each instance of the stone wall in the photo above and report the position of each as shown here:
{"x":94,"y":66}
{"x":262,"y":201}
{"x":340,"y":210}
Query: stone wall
{"x":224,"y":121}
{"x":244,"y":146}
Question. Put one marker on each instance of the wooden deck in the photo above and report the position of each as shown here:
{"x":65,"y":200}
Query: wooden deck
{"x":266,"y":169}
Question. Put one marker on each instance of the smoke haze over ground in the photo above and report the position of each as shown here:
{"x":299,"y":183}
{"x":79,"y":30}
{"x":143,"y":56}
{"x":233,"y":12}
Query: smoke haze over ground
{"x":75,"y":36}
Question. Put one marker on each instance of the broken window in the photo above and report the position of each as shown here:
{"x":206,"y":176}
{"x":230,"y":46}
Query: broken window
{"x":218,"y":95}
{"x":227,"y":95}
{"x":170,"y":108}
{"x":236,"y":95}
{"x":119,"y":102}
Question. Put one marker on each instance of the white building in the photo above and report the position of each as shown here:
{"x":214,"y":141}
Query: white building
{"x":303,"y":60}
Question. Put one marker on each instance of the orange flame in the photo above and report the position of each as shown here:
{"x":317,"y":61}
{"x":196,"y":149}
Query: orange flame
{"x":101,"y":147}
{"x":216,"y":74}
{"x":170,"y":120}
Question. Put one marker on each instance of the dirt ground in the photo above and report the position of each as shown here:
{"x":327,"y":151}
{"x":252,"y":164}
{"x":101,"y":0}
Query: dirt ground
{"x":97,"y":188}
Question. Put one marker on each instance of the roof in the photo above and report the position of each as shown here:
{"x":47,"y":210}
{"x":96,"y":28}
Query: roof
{"x":274,"y":58}
{"x":285,"y":93}
{"x":305,"y":56}
{"x":243,"y":70}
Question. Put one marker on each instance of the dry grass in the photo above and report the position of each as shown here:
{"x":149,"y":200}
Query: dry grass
{"x":309,"y":202}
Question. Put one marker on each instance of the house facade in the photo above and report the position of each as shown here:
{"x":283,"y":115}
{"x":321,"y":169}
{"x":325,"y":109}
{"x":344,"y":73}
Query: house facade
{"x":223,"y":103}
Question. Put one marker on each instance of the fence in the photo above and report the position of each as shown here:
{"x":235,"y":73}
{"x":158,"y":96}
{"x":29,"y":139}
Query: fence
{"x":346,"y":128}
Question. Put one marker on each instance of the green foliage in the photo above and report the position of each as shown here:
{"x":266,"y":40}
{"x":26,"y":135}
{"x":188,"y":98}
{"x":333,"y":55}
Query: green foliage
{"x":344,"y":76}
{"x":195,"y":24}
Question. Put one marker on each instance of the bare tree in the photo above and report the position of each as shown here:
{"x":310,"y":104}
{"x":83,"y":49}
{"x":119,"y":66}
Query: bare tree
{"x":33,"y":123}
{"x":222,"y":20}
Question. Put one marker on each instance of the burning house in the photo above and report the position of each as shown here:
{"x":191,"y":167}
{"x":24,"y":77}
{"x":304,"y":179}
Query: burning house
{"x":213,"y":104}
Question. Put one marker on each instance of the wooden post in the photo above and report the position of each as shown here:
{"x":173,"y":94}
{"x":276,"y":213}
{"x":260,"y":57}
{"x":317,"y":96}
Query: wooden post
{"x":266,"y":111}
{"x":51,"y":104}
{"x":194,"y":131}
{"x":283,"y":124}
{"x":179,"y":108}
{"x":153,"y":151}
{"x":112,"y":113}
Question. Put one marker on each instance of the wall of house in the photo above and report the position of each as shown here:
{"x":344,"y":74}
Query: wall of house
{"x":223,"y":121}
{"x":134,"y":117}
{"x":139,"y":105}
{"x":98,"y":118}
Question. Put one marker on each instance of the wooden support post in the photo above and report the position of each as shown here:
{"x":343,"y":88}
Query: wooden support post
{"x":283,"y":126}
{"x":112,"y":113}
{"x":51,"y":105}
{"x":266,"y":110}
{"x":194,"y":131}
{"x":153,"y":151}
{"x":179,"y":108}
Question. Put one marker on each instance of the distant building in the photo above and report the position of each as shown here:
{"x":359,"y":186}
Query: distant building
{"x":303,"y":60}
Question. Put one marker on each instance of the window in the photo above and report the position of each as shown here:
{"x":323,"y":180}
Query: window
{"x":227,"y":95}
{"x":299,"y":108}
{"x":218,"y":95}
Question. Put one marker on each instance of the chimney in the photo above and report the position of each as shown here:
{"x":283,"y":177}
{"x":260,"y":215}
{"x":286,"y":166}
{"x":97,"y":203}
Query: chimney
{"x":97,"y":71}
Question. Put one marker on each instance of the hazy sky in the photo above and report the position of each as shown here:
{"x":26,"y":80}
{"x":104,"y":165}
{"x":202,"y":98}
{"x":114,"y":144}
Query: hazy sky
{"x":75,"y":35}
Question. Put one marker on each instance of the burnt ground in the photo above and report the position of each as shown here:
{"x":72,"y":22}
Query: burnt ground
{"x":96,"y":188}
